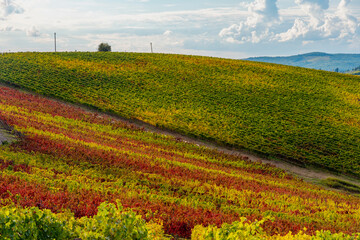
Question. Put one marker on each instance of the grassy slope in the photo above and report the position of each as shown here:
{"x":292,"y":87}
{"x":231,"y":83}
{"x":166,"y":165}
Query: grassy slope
{"x":304,"y":115}
{"x":74,"y":160}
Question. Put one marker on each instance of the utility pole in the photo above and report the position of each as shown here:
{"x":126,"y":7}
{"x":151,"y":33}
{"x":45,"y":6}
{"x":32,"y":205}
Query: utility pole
{"x":151,"y":47}
{"x":55,"y":40}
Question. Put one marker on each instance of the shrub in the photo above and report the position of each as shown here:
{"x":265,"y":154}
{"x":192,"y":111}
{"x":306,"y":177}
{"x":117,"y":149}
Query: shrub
{"x":104,"y":47}
{"x":32,"y":223}
{"x":111,"y":222}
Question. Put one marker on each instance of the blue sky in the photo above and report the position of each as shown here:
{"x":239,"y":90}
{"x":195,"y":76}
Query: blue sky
{"x":222,"y":28}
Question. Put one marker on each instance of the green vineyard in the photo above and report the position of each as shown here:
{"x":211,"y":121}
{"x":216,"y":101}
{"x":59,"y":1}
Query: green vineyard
{"x":306,"y":116}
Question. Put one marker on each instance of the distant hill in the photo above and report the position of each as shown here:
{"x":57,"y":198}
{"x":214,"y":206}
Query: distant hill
{"x":355,"y":71}
{"x":316,"y":60}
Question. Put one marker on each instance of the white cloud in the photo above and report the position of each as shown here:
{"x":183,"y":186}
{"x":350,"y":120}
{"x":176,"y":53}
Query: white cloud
{"x":314,"y":9}
{"x":321,"y":24}
{"x":299,"y":29}
{"x":315,"y":21}
{"x":33,"y":32}
{"x":130,"y":42}
{"x":6,"y":29}
{"x":263,"y":15}
{"x":8,"y":10}
{"x":254,"y":26}
{"x":167,"y":33}
{"x":323,"y":4}
{"x":9,"y":7}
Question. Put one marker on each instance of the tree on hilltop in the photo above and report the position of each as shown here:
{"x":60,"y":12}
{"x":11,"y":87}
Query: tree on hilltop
{"x":104,"y":47}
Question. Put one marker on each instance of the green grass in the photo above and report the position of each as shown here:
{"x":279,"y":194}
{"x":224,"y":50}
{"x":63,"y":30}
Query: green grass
{"x":354,"y":72}
{"x":342,"y":185}
{"x":304,"y":115}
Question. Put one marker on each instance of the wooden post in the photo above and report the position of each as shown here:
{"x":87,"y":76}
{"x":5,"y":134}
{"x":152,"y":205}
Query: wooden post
{"x":55,"y":41}
{"x":151,"y":47}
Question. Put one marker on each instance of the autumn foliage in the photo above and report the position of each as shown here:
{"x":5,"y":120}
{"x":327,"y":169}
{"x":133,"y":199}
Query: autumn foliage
{"x":73,"y":160}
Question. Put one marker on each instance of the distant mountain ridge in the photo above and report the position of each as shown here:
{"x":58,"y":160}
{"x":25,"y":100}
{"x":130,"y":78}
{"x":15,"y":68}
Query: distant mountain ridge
{"x":316,"y":60}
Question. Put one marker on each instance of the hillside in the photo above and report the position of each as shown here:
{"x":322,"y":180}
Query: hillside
{"x":355,"y":71}
{"x":305,"y":116}
{"x":316,"y":60}
{"x":74,"y":162}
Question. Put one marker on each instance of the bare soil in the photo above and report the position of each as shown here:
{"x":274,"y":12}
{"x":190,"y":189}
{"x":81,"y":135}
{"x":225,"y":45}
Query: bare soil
{"x":5,"y":134}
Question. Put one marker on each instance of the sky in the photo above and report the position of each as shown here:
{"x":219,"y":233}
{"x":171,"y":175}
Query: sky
{"x":220,"y":28}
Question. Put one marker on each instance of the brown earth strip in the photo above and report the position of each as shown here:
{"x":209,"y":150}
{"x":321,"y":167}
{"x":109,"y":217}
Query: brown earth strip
{"x":5,"y":135}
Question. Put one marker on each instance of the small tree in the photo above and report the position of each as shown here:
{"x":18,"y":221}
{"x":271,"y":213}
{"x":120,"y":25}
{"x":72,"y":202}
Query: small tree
{"x":104,"y":47}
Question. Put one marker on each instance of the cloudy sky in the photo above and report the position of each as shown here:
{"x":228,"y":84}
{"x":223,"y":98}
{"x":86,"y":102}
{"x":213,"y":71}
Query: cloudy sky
{"x":222,"y":28}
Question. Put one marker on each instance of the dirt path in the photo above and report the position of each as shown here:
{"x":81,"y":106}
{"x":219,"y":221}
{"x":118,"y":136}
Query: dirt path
{"x":5,"y":136}
{"x":308,"y":174}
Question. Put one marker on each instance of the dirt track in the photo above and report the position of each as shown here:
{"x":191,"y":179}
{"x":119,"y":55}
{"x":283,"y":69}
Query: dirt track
{"x":5,"y":136}
{"x":308,"y":174}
